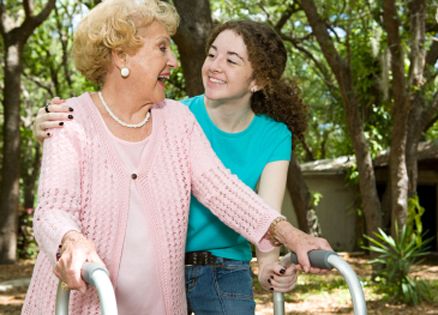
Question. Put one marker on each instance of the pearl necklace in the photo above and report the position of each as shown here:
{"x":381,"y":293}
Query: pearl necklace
{"x":118,"y":120}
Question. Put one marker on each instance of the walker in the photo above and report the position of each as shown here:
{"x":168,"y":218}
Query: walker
{"x":97,"y":276}
{"x":327,"y":260}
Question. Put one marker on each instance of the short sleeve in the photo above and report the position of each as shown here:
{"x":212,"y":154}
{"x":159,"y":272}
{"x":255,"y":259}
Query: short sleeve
{"x":282,"y":150}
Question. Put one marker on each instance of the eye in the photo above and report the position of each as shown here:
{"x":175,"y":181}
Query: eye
{"x":210,"y":55}
{"x":163,"y":48}
{"x":232,"y":61}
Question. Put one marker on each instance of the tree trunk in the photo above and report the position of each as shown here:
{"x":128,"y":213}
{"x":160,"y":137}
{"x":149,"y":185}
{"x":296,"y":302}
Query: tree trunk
{"x":300,"y":195}
{"x":30,"y":178}
{"x":367,"y":182}
{"x":11,"y":154}
{"x":403,"y":153}
{"x":397,"y":158}
{"x":414,"y":133}
{"x":191,"y":38}
{"x":14,"y":39}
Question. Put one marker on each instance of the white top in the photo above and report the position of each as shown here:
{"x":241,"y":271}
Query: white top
{"x":136,"y":274}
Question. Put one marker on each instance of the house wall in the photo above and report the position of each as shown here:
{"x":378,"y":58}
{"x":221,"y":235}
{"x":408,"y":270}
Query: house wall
{"x":336,"y":211}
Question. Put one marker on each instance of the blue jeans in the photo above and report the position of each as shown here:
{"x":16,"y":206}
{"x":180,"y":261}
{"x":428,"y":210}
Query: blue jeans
{"x":220,"y":290}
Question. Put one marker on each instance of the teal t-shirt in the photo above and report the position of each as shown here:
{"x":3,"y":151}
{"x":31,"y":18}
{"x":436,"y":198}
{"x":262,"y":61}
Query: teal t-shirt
{"x":245,"y":153}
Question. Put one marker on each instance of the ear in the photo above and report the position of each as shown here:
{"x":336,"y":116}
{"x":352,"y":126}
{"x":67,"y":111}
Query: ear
{"x":254,"y":87}
{"x":119,"y":58}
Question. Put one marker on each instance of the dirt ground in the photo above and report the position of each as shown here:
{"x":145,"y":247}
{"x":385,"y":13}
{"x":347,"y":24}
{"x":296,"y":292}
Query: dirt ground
{"x":321,"y":304}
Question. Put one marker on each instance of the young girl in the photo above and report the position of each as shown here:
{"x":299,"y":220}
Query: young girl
{"x":248,"y":113}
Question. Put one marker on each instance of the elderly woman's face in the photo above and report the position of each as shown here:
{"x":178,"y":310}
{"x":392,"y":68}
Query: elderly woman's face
{"x":150,"y":65}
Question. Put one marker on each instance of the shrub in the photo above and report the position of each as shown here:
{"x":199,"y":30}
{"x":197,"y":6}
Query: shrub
{"x":396,"y":255}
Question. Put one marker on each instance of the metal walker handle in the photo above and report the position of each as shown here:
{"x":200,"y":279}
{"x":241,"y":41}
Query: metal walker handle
{"x":97,"y":276}
{"x":327,"y":260}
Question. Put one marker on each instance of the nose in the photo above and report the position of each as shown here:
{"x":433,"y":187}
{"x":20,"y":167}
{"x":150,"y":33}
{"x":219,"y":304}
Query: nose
{"x":172,"y":62}
{"x":216,"y":65}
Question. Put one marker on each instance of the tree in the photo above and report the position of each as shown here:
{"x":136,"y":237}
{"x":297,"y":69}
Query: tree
{"x":342,"y":71}
{"x":413,"y":110}
{"x":191,"y":38}
{"x":411,"y":89}
{"x":17,"y":25}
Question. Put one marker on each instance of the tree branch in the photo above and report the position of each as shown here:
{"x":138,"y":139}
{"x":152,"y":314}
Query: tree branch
{"x":291,"y":9}
{"x":391,"y":25}
{"x":333,"y":58}
{"x":2,"y":18}
{"x":64,"y":44}
{"x":431,"y":56}
{"x":325,"y":73}
{"x":430,"y":115}
{"x":32,"y":22}
{"x":27,"y":8}
{"x":417,"y":56}
{"x":39,"y":83}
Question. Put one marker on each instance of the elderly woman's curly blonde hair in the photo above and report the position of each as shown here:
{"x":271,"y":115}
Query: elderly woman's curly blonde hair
{"x":113,"y":25}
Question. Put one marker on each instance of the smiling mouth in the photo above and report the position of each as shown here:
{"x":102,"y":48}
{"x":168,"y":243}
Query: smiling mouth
{"x":163,"y":78}
{"x":217,"y":81}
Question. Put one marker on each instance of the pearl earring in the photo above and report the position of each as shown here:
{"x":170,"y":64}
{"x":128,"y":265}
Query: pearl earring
{"x":124,"y":72}
{"x":253,"y":90}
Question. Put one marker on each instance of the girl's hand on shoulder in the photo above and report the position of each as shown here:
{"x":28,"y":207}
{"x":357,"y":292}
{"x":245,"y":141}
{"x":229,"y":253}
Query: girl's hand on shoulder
{"x":275,"y":277}
{"x":53,"y":115}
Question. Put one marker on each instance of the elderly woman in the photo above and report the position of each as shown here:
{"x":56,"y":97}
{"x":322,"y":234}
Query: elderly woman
{"x":115,"y":186}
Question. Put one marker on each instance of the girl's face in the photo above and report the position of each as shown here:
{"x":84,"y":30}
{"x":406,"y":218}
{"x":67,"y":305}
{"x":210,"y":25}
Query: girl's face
{"x":227,"y":72}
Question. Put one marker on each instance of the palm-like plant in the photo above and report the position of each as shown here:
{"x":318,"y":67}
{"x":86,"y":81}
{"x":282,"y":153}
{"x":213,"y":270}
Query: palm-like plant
{"x":396,"y":255}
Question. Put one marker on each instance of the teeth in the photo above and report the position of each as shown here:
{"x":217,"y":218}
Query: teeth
{"x":216,"y":80}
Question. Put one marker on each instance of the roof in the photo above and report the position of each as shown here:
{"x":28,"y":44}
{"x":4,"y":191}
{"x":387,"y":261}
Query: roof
{"x":329,"y":166}
{"x":427,"y":150}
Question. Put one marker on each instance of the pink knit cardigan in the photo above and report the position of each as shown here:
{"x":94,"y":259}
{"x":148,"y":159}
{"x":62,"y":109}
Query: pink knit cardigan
{"x":84,"y":186}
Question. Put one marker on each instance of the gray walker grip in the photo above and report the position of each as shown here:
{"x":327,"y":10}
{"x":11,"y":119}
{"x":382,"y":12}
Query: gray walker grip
{"x":327,"y":260}
{"x":97,"y":276}
{"x":318,"y":258}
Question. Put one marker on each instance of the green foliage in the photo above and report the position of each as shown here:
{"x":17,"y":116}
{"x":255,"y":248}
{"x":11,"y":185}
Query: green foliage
{"x":396,"y":255}
{"x":175,"y":86}
{"x":352,"y":175}
{"x":26,"y":245}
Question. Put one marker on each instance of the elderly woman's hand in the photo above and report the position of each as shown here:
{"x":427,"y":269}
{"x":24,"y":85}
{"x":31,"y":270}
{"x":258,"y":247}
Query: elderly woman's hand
{"x":300,"y":243}
{"x":275,"y":277}
{"x":53,"y":115}
{"x":75,"y":251}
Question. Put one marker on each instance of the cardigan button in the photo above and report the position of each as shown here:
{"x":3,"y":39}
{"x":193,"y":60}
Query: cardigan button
{"x":134,"y":176}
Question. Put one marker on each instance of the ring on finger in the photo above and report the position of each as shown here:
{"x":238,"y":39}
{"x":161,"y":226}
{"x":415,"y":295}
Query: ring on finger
{"x":64,"y":285}
{"x":46,"y":108}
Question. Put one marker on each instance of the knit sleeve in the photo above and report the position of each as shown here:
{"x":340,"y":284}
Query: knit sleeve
{"x":59,"y":201}
{"x":226,"y":196}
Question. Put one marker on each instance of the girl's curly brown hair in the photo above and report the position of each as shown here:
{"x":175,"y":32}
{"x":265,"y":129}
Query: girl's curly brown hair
{"x":279,"y":98}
